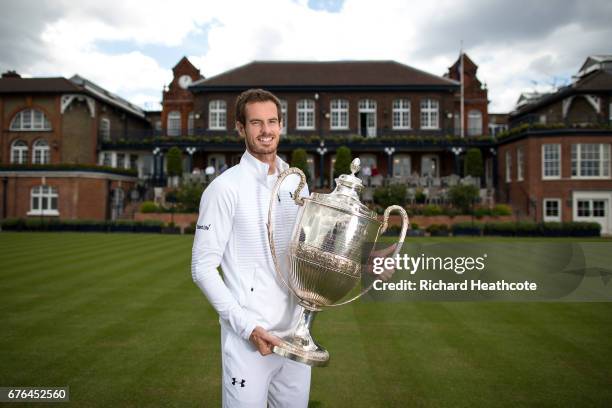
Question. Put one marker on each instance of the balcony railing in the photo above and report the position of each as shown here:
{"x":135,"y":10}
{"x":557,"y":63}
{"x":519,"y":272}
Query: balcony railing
{"x":556,"y":121}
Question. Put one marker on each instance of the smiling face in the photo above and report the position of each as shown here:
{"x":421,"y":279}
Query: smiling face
{"x":261,"y":129}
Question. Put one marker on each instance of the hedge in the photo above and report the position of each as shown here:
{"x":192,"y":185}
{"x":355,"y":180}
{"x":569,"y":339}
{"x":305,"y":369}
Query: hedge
{"x":33,"y":224}
{"x":544,"y":229}
{"x":528,"y":229}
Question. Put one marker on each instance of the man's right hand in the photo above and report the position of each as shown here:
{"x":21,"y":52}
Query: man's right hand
{"x":263,"y":340}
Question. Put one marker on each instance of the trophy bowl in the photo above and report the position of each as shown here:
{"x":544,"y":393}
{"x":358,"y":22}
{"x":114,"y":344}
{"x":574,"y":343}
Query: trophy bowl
{"x":332,"y":236}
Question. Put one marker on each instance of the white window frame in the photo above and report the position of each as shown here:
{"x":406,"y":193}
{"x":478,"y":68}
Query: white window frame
{"x":45,"y":193}
{"x":436,"y":165}
{"x":284,"y":116}
{"x":368,"y":106}
{"x":604,"y":161}
{"x":41,"y":152}
{"x":19,"y":152}
{"x":430,"y":117}
{"x":104,"y":131}
{"x":508,"y":166}
{"x":396,"y":164}
{"x":305,"y":117}
{"x":217,"y":115}
{"x":551,"y":218}
{"x":474,"y":128}
{"x":546,"y":159}
{"x":173,"y":127}
{"x":520,"y":164}
{"x":120,"y":161}
{"x":30,"y":120}
{"x":401,"y":114}
{"x":339,"y":114}
{"x":191,"y":124}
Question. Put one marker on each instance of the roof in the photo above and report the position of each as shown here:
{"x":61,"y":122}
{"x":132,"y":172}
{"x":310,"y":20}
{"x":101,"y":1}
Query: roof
{"x":37,"y":85}
{"x":599,"y":80}
{"x":327,"y":74}
{"x":76,"y":84}
{"x":107,"y":96}
{"x":594,"y":62}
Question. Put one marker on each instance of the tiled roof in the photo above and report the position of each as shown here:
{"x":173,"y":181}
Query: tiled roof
{"x":271,"y":74}
{"x":37,"y":85}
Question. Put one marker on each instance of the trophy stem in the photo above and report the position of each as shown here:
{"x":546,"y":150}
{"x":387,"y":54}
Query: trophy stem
{"x":300,"y":346}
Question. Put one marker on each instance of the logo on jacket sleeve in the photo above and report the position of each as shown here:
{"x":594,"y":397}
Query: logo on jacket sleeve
{"x":203,"y":227}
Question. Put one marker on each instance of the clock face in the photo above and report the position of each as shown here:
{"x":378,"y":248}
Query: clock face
{"x":184,"y":81}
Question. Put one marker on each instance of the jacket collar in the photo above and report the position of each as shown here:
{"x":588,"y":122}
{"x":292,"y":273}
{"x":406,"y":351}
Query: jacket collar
{"x":260,"y":169}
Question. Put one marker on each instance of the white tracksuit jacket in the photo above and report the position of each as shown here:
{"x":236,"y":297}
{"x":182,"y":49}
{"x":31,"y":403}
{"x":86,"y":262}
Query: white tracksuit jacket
{"x":231,"y":232}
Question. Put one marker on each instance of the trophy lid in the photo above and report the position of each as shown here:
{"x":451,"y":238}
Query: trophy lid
{"x":346,"y":194}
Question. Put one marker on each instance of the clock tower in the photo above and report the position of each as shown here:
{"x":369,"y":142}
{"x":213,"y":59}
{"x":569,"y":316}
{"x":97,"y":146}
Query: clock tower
{"x":178,"y":118}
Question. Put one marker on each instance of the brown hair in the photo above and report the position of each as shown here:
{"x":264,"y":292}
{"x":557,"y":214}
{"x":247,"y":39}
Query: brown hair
{"x":254,"y":95}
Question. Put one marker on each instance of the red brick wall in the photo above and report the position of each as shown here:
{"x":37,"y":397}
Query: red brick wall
{"x":384,"y":110}
{"x":78,"y":197}
{"x":519,"y":194}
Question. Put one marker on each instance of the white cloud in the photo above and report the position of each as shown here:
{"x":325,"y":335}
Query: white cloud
{"x":426,"y":35}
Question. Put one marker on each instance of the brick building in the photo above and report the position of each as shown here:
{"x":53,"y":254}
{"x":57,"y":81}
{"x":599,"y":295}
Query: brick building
{"x":50,"y":134}
{"x":554,"y":165}
{"x":71,"y":149}
{"x":399,"y":120}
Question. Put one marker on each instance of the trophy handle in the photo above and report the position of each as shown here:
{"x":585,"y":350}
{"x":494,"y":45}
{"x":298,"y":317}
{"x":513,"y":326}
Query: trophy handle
{"x":273,"y":197}
{"x":400,"y":243}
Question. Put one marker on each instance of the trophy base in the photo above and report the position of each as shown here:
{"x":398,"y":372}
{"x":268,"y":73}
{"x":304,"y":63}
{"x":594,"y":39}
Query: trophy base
{"x":293,"y":349}
{"x":300,"y":346}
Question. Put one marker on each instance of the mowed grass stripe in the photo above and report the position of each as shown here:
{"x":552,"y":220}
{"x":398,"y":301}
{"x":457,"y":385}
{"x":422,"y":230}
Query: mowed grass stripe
{"x":108,"y":314}
{"x":158,"y":379}
{"x":59,"y":283}
{"x":50,"y":245}
{"x":53,"y":252}
{"x":70,"y":293}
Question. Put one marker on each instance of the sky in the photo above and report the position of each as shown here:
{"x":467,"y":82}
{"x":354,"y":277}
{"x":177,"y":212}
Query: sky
{"x":130,"y":47}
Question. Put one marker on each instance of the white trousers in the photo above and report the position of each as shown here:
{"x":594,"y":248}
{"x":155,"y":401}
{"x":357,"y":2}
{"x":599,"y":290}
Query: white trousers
{"x":251,"y":380}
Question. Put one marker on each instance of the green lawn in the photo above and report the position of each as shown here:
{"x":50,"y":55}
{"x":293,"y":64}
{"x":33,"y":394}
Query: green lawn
{"x":117,"y":318}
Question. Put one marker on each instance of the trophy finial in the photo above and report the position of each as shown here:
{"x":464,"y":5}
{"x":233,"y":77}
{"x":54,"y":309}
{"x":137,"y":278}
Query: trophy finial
{"x":355,"y":165}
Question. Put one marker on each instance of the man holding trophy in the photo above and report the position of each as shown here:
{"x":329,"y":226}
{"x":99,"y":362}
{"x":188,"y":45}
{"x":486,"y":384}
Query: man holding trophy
{"x":285,"y":256}
{"x":231,"y":232}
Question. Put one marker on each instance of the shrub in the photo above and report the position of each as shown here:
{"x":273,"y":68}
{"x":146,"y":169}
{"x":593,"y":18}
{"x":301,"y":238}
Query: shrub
{"x":480,"y":212}
{"x":149,"y":207}
{"x":467,"y":228}
{"x":501,"y":209}
{"x":343,"y":161}
{"x":419,"y":196}
{"x":473,"y":163}
{"x":462,"y":197}
{"x":175,"y":161}
{"x":432,"y":209}
{"x":438,"y":229}
{"x":299,"y":159}
{"x":394,"y":194}
{"x":414,"y":226}
{"x":188,"y":196}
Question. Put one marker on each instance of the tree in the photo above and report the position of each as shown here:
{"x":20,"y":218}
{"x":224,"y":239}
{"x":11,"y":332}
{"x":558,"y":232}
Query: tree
{"x":175,"y":161}
{"x":188,"y":197}
{"x":463,"y":197}
{"x":299,"y":159}
{"x":394,"y":194}
{"x":343,"y":161}
{"x":473,"y":163}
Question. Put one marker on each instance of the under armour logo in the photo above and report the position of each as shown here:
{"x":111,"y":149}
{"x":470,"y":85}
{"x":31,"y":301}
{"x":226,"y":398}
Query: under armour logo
{"x":242,"y":382}
{"x":203,"y":227}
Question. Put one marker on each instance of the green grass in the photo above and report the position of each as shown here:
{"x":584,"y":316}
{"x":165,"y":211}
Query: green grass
{"x":117,"y":318}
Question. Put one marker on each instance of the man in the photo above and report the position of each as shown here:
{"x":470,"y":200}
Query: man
{"x":231,"y":232}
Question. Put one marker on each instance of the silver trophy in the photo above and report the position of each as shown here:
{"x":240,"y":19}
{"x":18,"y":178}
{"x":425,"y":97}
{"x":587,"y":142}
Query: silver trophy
{"x":324,"y":262}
